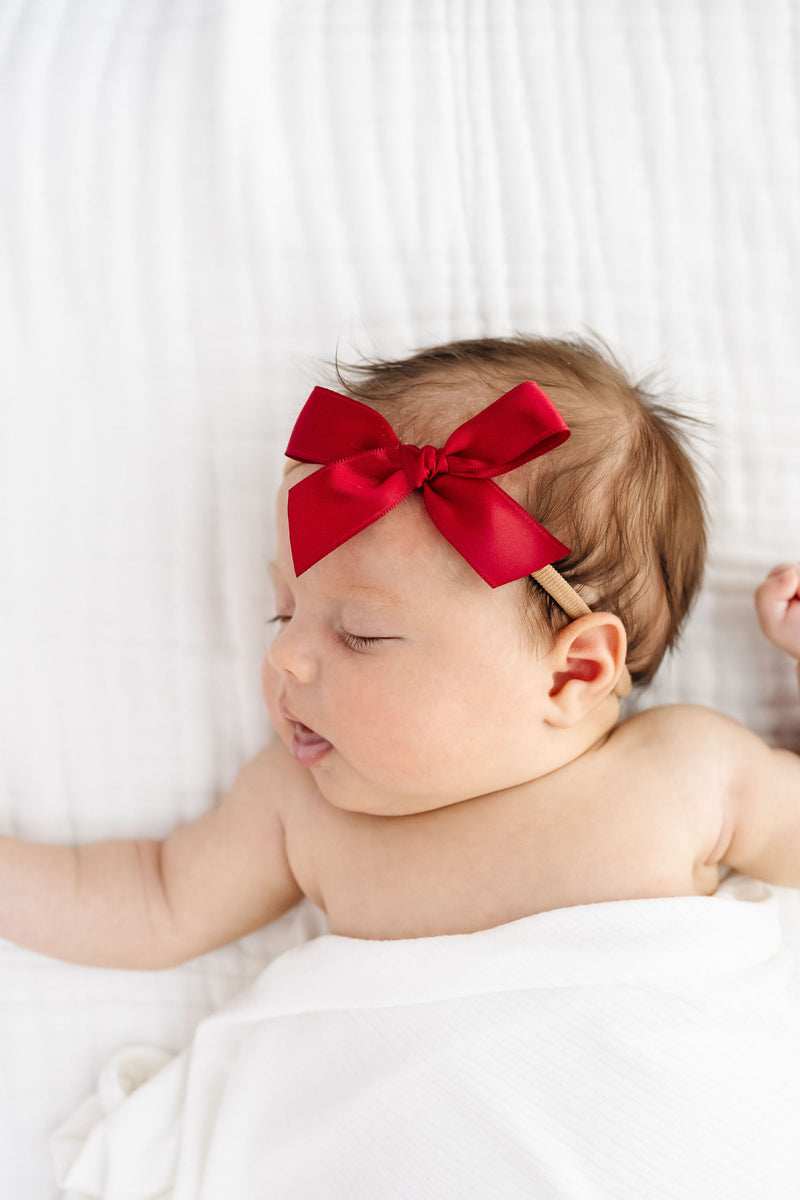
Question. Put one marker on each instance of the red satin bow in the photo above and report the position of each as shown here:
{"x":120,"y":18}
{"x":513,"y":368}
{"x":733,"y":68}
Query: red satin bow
{"x":367,"y":471}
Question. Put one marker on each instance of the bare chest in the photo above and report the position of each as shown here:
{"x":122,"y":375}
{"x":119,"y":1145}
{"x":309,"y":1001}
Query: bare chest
{"x":489,"y":861}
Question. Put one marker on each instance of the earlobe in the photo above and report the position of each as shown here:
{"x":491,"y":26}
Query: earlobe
{"x":587,"y":659}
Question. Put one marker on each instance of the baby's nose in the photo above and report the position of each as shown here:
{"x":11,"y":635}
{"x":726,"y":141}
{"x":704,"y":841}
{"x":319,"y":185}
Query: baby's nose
{"x":291,"y":653}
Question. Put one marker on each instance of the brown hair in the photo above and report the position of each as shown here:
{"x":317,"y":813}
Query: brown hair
{"x":621,"y":492}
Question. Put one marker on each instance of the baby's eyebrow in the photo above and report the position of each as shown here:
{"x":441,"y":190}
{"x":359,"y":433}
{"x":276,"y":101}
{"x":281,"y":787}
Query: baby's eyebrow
{"x":375,"y":592}
{"x":370,"y":591}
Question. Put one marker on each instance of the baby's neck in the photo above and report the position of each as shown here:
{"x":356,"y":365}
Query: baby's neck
{"x":563,"y":747}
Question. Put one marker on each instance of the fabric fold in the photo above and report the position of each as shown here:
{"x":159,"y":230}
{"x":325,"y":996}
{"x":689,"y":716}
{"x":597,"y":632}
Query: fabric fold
{"x":617,"y":1050}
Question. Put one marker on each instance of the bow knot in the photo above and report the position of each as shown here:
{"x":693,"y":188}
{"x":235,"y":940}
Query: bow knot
{"x":421,"y":464}
{"x":367,"y":470}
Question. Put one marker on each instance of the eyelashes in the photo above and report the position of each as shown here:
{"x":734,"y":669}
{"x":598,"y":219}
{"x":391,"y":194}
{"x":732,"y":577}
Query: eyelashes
{"x":354,"y":641}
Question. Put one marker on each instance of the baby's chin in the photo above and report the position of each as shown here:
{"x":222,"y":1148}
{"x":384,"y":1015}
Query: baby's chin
{"x":366,"y":798}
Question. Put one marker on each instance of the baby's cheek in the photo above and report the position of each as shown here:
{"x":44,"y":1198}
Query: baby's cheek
{"x":424,"y":740}
{"x":269,"y":690}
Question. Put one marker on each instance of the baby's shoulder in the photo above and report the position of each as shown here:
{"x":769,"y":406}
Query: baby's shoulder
{"x":680,"y":763}
{"x":670,"y":720}
{"x":684,"y":719}
{"x":684,"y":734}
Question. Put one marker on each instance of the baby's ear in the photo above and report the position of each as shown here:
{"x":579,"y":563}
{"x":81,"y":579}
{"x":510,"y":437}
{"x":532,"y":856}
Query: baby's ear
{"x":587,"y":659}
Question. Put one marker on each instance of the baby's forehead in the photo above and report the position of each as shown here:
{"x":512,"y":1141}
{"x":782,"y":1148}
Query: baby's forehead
{"x":291,"y":466}
{"x":402,"y":552}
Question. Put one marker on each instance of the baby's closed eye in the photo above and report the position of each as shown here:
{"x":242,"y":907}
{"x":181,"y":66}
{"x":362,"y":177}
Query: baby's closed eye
{"x":357,"y":641}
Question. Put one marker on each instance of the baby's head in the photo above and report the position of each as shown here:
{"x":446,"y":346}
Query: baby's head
{"x":398,"y":674}
{"x":622,"y":492}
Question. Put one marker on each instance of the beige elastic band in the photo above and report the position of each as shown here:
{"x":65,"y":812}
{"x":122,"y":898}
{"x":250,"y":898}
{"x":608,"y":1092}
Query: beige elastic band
{"x":574,"y":606}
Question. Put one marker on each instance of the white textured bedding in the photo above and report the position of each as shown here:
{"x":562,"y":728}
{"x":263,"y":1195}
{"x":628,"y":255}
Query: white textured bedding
{"x":200,"y":197}
{"x":639,"y":1048}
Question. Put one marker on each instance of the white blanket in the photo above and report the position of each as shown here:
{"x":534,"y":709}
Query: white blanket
{"x":634,"y":1049}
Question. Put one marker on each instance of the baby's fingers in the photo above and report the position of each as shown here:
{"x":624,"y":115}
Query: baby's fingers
{"x":783,"y":581}
{"x":778,"y":607}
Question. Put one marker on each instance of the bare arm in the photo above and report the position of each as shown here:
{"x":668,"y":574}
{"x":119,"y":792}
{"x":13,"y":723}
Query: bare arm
{"x":763,"y":812}
{"x":147,"y":904}
{"x":762,"y":823}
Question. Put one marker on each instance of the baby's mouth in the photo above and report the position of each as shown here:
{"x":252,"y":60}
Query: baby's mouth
{"x":305,"y":735}
{"x":307,"y":746}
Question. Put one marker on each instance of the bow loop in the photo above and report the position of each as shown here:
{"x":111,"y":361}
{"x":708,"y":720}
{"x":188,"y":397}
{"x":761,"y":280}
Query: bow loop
{"x":366,"y":471}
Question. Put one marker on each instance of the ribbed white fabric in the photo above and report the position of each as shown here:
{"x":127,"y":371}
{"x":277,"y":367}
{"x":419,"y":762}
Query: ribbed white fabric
{"x":613,"y":1051}
{"x":198,"y":199}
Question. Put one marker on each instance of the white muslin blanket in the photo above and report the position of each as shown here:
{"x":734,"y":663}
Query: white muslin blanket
{"x":646,"y":1048}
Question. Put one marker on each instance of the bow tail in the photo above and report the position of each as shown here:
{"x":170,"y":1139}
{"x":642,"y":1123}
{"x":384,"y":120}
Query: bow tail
{"x":334,"y":504}
{"x":497,"y":537}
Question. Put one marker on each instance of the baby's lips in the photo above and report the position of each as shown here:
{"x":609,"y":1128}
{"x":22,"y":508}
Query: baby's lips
{"x":286,"y":712}
{"x":301,"y":729}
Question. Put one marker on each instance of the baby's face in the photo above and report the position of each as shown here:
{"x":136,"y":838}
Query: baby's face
{"x":396,"y":675}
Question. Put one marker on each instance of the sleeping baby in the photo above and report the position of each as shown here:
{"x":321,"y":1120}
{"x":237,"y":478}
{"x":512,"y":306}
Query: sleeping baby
{"x":479,"y":549}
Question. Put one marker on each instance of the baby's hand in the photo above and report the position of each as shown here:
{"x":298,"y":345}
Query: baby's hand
{"x":778,"y":607}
